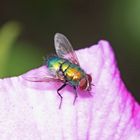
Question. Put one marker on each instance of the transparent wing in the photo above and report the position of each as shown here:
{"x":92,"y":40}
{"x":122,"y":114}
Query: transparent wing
{"x":41,"y":79}
{"x":45,"y":76}
{"x":64,"y":48}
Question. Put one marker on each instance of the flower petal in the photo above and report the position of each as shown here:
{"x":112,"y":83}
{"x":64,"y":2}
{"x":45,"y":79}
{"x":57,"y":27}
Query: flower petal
{"x":29,"y":110}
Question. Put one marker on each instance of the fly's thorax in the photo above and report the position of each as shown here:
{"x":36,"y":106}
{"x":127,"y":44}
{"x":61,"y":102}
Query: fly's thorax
{"x":54,"y":63}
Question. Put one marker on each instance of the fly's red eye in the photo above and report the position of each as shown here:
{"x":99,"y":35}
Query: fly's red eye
{"x":83,"y":84}
{"x":89,"y":78}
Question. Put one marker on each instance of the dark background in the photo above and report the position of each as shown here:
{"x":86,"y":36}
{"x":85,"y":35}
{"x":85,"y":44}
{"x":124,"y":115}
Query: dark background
{"x":29,"y":28}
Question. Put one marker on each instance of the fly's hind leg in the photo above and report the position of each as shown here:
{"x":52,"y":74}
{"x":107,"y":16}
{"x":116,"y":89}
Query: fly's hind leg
{"x":60,"y":94}
{"x":76,"y":95}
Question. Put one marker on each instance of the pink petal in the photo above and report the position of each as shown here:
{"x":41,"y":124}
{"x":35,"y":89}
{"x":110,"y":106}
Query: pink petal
{"x":29,"y":110}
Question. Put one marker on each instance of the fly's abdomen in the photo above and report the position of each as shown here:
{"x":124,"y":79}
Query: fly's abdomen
{"x":74,"y":74}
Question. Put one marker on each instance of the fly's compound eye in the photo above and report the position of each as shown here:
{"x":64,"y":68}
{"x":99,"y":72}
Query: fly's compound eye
{"x":83,"y":84}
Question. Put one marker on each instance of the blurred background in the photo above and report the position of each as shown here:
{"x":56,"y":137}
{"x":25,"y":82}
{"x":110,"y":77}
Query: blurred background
{"x":27,"y":29}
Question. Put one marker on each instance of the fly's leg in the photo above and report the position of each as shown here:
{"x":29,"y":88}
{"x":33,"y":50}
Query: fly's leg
{"x":60,"y":94}
{"x":76,"y":95}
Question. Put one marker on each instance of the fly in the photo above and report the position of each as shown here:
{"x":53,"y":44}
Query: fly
{"x":65,"y":68}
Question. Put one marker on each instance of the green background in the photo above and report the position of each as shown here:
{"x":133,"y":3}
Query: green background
{"x":27,"y":29}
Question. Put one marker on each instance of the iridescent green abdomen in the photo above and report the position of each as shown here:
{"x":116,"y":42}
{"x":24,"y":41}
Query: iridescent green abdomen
{"x":65,"y":70}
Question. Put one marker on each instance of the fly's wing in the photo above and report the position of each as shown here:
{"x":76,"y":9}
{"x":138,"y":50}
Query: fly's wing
{"x":46,"y":76}
{"x":42,"y":79}
{"x":64,"y":48}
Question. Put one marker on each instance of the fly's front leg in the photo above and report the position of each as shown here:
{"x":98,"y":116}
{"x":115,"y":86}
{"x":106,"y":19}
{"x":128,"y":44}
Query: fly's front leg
{"x":58,"y":92}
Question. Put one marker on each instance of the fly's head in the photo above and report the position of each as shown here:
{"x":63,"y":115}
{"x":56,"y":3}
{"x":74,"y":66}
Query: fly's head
{"x":85,"y":83}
